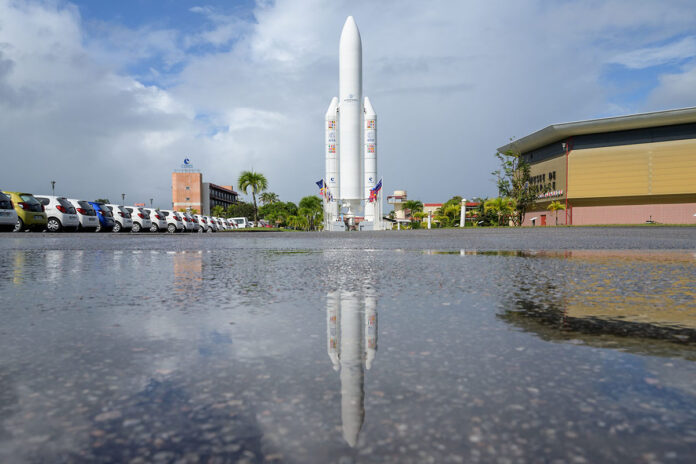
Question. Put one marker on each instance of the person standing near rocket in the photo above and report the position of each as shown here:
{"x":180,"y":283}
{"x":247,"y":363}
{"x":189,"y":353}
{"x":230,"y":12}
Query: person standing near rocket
{"x":351,"y":138}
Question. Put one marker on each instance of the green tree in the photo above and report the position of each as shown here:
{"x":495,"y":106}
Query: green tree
{"x":312,"y":208}
{"x":241,"y":209}
{"x":217,"y":211}
{"x":278,"y":212}
{"x":102,"y":200}
{"x":501,"y":207}
{"x":256,"y":182}
{"x":412,"y":206}
{"x":555,"y":206}
{"x":268,"y":198}
{"x":513,"y":180}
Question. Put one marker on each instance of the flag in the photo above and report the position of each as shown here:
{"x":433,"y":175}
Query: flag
{"x":322,"y":187}
{"x":375,"y":190}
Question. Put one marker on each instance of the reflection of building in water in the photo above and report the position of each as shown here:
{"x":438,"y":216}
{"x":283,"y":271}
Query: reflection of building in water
{"x":352,"y":345}
{"x":631,"y":296}
{"x":188,"y":271}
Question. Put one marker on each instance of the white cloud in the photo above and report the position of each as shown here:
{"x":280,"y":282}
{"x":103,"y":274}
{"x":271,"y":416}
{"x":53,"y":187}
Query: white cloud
{"x":656,"y":56}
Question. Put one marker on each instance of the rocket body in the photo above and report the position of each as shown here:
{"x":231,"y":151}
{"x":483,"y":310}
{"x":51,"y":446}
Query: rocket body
{"x":351,"y":114}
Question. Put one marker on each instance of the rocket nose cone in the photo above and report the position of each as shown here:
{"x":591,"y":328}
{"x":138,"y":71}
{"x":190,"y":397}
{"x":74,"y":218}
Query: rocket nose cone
{"x":350,"y":29}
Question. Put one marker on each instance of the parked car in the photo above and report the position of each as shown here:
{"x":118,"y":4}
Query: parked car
{"x":231,"y":223}
{"x":241,"y":222}
{"x":86,"y":214}
{"x":141,"y":218}
{"x":106,"y":217}
{"x":122,"y":218}
{"x":212,"y":226}
{"x":8,"y":215}
{"x":174,"y":221}
{"x":200,"y":221}
{"x":30,"y":212}
{"x":60,"y":213}
{"x":190,"y":222}
{"x":222,"y":224}
{"x":158,"y":219}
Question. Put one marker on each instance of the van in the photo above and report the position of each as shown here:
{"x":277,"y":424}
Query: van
{"x":241,"y":222}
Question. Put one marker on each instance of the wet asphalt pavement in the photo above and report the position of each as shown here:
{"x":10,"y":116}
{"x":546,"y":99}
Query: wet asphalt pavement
{"x":554,"y":345}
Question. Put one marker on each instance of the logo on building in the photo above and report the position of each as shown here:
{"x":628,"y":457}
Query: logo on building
{"x":187,"y":164}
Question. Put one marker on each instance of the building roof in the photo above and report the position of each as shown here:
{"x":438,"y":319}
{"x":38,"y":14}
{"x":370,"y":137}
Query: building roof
{"x":557,"y":132}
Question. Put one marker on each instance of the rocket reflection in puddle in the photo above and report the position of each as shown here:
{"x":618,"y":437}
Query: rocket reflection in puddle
{"x":352,"y":345}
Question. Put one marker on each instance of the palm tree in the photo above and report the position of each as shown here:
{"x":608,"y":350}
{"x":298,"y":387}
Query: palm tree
{"x":257,"y":182}
{"x":312,"y":208}
{"x":413,"y":206}
{"x":268,"y":197}
{"x":501,"y":206}
{"x":555,"y":206}
{"x":218,"y":211}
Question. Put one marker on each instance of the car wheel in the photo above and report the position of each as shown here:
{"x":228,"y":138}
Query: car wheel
{"x":117,"y":227}
{"x":53,"y":225}
{"x":154,"y":228}
{"x":19,"y":226}
{"x":136,"y":227}
{"x":171,"y":228}
{"x":209,"y":230}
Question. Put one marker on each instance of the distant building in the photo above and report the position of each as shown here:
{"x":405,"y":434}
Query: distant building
{"x":397,"y":200}
{"x":623,"y":170}
{"x":190,"y":192}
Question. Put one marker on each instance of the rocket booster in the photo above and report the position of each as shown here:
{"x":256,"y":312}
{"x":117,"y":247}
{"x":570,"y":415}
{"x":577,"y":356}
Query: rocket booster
{"x":351,"y":114}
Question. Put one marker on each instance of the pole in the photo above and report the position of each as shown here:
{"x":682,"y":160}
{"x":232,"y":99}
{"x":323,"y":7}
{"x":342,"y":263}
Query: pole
{"x":123,"y":198}
{"x":53,"y":187}
{"x":462,"y":215}
{"x":567,"y":150}
{"x":151,"y":202}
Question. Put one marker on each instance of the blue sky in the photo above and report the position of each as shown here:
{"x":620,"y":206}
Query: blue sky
{"x":236,"y":85}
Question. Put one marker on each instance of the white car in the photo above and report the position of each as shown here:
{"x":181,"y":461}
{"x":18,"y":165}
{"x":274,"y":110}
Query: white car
{"x":241,"y":222}
{"x":141,"y":218}
{"x":8,"y":215}
{"x":122,"y":218}
{"x":174,"y":221}
{"x":222,"y":224}
{"x":189,"y":222}
{"x":212,"y":225}
{"x":61,"y":214}
{"x":159,"y":220}
{"x":200,"y":222}
{"x":230,"y":223}
{"x":86,"y":215}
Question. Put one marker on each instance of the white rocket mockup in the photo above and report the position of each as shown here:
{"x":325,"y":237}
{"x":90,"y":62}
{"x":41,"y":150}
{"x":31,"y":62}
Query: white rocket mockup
{"x":351,"y":138}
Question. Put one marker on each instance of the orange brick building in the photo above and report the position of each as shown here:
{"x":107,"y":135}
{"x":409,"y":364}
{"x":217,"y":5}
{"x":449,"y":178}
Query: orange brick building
{"x":190,"y":192}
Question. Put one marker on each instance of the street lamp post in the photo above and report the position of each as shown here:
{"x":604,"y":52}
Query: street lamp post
{"x":123,"y":198}
{"x":151,"y":202}
{"x":53,"y":187}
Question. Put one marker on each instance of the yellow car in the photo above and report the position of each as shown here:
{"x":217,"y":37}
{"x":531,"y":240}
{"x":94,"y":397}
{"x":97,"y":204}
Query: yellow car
{"x":30,"y":212}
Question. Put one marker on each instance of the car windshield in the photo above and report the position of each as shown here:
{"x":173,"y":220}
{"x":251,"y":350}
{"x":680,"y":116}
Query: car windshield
{"x":33,"y":203}
{"x":166,"y":213}
{"x":43,"y":200}
{"x":69,"y":208}
{"x":124,"y":211}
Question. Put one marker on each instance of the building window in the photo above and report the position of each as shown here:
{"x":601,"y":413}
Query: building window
{"x":188,"y":199}
{"x":188,"y":188}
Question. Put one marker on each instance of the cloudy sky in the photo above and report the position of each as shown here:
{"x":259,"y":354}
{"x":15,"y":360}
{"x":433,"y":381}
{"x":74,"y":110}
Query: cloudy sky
{"x":109,"y":97}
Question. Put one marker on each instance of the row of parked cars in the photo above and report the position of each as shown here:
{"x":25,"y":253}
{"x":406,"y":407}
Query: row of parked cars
{"x":24,"y":211}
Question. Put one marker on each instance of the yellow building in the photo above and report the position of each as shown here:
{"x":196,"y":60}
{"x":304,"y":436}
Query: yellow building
{"x":623,"y":170}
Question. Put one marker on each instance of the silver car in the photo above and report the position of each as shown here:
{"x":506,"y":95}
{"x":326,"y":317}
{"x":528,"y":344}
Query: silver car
{"x":8,"y":215}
